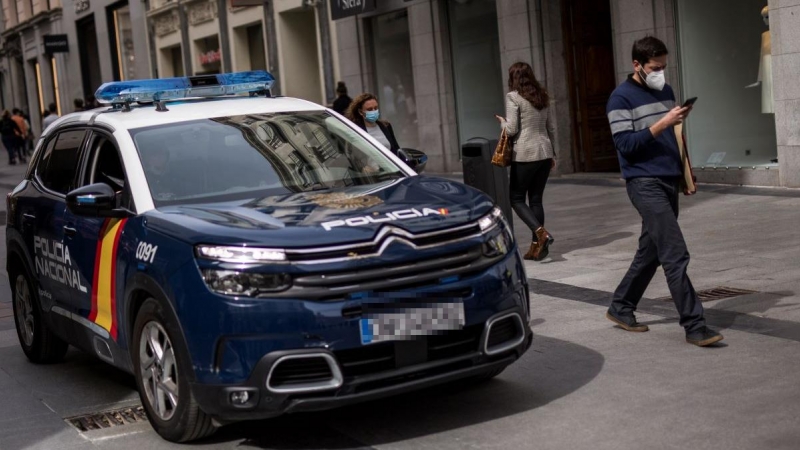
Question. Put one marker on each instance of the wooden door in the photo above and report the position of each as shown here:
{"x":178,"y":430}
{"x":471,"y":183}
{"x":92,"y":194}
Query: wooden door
{"x":590,"y":67}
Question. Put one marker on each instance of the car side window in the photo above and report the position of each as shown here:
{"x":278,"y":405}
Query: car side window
{"x":58,"y":165}
{"x":104,"y":165}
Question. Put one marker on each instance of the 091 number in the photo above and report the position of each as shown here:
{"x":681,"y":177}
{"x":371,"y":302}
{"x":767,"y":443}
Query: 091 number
{"x":146,"y":252}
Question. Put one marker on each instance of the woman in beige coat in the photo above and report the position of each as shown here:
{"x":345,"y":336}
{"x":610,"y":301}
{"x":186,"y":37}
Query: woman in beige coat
{"x":530,"y":126}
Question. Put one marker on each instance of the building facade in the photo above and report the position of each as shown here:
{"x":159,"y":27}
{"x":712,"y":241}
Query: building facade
{"x":439,"y":70}
{"x":55,"y":53}
{"x":290,"y":38}
{"x":439,"y":67}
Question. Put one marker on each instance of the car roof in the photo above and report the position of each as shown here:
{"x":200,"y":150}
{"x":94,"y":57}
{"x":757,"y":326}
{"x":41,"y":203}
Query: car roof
{"x":185,"y":110}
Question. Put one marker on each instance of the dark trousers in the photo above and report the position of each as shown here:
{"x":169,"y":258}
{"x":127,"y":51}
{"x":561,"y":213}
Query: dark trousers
{"x":10,"y":143}
{"x":528,"y":179}
{"x":661,"y":243}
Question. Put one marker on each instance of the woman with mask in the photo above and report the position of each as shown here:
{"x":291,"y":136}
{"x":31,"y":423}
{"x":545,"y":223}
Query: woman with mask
{"x":364,"y":112}
{"x":529,"y":124}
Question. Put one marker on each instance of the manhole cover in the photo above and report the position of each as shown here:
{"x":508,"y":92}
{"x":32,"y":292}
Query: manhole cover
{"x":717,"y":293}
{"x":108,"y":419}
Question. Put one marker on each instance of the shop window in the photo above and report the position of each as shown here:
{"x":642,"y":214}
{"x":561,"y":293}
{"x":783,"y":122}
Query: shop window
{"x":732,"y":123}
{"x":475,"y":44}
{"x":394,"y":75}
{"x":209,"y":55}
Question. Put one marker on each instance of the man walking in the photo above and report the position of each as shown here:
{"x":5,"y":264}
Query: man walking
{"x":642,"y":114}
{"x":51,"y":117}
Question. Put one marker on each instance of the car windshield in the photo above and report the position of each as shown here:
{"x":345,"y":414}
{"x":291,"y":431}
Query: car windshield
{"x":251,"y":156}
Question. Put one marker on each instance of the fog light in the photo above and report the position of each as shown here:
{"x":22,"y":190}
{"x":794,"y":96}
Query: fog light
{"x":249,"y":284}
{"x":497,"y":245}
{"x":239,"y":397}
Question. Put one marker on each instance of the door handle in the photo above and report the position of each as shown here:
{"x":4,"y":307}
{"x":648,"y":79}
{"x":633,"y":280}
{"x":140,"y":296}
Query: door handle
{"x":28,"y":216}
{"x":69,"y":231}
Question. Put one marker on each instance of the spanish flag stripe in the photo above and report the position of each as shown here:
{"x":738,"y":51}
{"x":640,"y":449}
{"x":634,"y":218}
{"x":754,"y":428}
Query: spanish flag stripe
{"x":93,"y":313}
{"x":114,"y":281}
{"x":105,"y":283}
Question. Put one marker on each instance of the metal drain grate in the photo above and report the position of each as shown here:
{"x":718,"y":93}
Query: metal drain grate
{"x":108,"y":419}
{"x":717,"y":293}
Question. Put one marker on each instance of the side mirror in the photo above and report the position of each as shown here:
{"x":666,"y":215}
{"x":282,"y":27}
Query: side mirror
{"x":94,"y":200}
{"x":413,"y":158}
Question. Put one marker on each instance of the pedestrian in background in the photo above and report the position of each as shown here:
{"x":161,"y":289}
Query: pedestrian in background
{"x":78,"y":104}
{"x":342,"y":99}
{"x":364,"y":112}
{"x":22,"y":135}
{"x":530,"y":125}
{"x":9,"y":133}
{"x":642,"y":114}
{"x":52,"y":116}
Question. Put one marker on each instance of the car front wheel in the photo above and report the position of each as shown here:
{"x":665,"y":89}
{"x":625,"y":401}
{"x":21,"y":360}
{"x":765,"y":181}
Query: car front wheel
{"x":160,"y":366}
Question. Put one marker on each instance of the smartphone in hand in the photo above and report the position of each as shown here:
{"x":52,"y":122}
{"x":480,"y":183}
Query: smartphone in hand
{"x":689,"y":102}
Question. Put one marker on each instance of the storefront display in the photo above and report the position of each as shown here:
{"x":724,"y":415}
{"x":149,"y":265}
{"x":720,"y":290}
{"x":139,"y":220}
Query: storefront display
{"x":723,"y":46}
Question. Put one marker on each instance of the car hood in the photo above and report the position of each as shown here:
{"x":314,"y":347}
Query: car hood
{"x":416,"y":204}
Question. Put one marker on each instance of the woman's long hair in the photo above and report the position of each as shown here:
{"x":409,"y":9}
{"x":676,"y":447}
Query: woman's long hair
{"x":522,"y":80}
{"x":354,"y":110}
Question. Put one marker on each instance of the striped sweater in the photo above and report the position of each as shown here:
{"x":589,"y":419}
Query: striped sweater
{"x":632,"y":110}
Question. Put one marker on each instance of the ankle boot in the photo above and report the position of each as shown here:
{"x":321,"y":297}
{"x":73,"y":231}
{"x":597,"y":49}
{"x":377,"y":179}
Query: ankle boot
{"x":532,"y":251}
{"x":544,"y":239}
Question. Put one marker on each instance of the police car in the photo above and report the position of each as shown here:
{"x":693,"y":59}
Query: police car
{"x":246,"y":256}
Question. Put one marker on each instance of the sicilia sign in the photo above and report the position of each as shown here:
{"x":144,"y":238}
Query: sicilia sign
{"x":346,"y":8}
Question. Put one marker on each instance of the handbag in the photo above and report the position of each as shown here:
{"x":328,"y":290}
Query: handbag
{"x":502,"y":153}
{"x":688,"y":181}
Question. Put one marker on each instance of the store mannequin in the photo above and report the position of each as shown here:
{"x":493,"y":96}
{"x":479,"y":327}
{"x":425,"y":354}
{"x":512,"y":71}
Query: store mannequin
{"x":765,"y":67}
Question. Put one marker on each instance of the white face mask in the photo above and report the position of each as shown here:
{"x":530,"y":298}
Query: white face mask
{"x":654,"y":80}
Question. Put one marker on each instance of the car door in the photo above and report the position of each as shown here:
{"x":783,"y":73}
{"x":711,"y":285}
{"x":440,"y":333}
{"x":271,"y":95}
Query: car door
{"x":93,"y":245}
{"x":54,"y":175}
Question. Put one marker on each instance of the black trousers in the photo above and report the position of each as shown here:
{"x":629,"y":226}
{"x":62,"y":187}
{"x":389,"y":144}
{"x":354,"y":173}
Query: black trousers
{"x":528,"y":179}
{"x":661,"y":243}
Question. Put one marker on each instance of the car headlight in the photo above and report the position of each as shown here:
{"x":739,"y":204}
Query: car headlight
{"x":247,"y":284}
{"x":242,"y":255}
{"x":500,"y":243}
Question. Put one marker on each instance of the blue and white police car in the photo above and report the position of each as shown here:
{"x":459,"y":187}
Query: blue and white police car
{"x":246,"y":256}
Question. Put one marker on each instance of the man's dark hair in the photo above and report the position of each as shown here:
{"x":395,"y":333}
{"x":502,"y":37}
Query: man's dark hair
{"x":52,"y":107}
{"x":78,"y":102}
{"x":16,"y":111}
{"x":646,"y":48}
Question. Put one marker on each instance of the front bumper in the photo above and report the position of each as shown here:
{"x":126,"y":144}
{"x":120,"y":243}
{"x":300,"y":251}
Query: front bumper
{"x":264,"y":402}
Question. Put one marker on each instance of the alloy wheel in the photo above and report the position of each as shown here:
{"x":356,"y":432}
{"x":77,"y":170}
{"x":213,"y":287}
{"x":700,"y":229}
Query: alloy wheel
{"x":24,"y":307}
{"x":158,"y":369}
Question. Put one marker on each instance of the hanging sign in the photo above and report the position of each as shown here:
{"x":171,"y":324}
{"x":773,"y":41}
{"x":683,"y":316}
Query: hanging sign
{"x":346,"y":8}
{"x":56,"y":43}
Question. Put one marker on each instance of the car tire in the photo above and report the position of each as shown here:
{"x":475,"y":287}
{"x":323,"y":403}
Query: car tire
{"x":160,"y":365}
{"x":39,"y":343}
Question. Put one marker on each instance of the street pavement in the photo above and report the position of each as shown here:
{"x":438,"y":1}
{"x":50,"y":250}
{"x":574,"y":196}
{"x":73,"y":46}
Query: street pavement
{"x":585,"y":384}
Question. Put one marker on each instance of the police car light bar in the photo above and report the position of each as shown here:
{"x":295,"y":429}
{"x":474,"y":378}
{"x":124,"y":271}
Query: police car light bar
{"x":122,"y":92}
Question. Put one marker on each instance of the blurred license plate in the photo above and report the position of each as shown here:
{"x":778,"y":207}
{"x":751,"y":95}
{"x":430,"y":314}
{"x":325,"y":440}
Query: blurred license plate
{"x":407,"y":323}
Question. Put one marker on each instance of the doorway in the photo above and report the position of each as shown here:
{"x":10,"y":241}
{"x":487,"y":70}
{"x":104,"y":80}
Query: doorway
{"x":89,"y":55}
{"x":590,"y":68}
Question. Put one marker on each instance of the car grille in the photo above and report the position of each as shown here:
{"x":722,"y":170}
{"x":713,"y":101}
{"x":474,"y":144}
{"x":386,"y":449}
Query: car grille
{"x":375,"y":358}
{"x":386,"y":235}
{"x":335,"y":286}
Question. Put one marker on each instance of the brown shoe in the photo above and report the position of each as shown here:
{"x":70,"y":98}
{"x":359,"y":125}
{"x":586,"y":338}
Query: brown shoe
{"x":544,"y":241}
{"x":532,"y":251}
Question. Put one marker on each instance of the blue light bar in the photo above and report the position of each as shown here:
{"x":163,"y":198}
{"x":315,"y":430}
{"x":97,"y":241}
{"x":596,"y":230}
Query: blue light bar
{"x":119,"y":92}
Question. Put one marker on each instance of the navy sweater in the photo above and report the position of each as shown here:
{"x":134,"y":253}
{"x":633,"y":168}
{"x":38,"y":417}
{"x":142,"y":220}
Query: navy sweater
{"x":632,"y":110}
